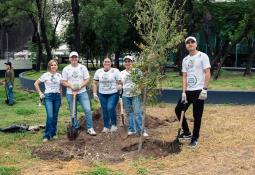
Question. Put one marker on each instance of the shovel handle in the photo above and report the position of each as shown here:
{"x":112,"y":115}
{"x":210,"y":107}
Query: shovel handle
{"x":74,"y":101}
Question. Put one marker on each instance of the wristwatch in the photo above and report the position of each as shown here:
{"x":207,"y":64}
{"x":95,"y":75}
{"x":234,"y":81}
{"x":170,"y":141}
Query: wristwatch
{"x":205,"y":88}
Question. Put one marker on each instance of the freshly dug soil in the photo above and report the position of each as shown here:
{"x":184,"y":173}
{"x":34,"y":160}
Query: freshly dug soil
{"x":110,"y":147}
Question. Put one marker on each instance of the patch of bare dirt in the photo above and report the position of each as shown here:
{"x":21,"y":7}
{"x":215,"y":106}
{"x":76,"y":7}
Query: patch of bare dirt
{"x":110,"y":147}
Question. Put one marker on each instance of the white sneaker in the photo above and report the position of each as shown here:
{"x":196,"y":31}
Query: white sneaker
{"x":55,"y":137}
{"x":91,"y":132}
{"x":114,"y":128}
{"x":106,"y":130}
{"x":145,"y":134}
{"x":45,"y":140}
{"x":130,"y":133}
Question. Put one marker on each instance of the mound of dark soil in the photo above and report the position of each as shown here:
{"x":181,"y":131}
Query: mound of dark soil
{"x":111,"y":147}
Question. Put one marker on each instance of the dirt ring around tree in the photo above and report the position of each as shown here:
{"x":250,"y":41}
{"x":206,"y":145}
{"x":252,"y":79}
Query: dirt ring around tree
{"x":110,"y":147}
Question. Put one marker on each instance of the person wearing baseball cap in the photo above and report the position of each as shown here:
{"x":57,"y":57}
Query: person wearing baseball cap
{"x":132,"y":98}
{"x":76,"y":78}
{"x":195,"y":79}
{"x":9,"y":83}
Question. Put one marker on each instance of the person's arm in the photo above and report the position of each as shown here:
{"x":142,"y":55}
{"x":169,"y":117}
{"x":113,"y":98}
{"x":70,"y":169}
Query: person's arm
{"x":207,"y":77}
{"x":94,"y":86}
{"x":85,"y":83}
{"x":184,"y":82}
{"x":37,"y":88}
{"x":66,"y":84}
{"x":12,"y":77}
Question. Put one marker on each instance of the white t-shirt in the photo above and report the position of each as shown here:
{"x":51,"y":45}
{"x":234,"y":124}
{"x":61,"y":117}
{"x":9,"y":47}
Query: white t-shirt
{"x":107,"y":80}
{"x":130,"y":89}
{"x":75,"y":75}
{"x":51,"y":82}
{"x":194,"y":67}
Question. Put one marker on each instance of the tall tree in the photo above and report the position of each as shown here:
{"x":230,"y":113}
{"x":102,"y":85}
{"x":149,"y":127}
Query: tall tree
{"x":159,"y":32}
{"x":76,"y":10}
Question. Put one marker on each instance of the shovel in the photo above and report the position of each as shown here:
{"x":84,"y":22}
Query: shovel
{"x":121,"y":109}
{"x":72,"y":132}
{"x":176,"y":144}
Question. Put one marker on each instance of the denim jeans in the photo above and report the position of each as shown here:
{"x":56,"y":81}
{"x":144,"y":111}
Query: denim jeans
{"x":83,"y":99}
{"x":9,"y":89}
{"x":52,"y":105}
{"x":134,"y":111}
{"x":108,"y":103}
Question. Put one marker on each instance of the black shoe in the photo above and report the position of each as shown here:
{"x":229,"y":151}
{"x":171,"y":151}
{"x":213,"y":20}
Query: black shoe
{"x":185,"y":136}
{"x":193,"y":144}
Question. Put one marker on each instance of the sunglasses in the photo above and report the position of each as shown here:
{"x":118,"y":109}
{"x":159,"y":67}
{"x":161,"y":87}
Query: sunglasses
{"x":190,"y":42}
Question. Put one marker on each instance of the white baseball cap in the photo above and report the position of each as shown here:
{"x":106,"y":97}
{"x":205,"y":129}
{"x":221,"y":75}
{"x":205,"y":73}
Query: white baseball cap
{"x":73,"y":53}
{"x":129,"y":57}
{"x":190,"y":38}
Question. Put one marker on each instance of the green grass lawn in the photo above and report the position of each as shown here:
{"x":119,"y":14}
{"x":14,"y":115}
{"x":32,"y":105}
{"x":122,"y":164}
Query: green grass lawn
{"x":15,"y":148}
{"x":227,"y":81}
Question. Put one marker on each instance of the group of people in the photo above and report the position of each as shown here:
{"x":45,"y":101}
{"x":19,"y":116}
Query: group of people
{"x":108,"y":82}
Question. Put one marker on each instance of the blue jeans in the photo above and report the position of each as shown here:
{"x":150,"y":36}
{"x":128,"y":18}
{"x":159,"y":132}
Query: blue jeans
{"x":52,"y":105}
{"x":134,"y":111}
{"x":83,"y":99}
{"x":9,"y":89}
{"x":108,"y":103}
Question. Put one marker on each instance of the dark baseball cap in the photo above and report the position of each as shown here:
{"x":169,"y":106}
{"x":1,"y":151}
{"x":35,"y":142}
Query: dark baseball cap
{"x":8,"y":63}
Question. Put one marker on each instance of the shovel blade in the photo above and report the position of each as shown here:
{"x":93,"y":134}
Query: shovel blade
{"x":72,"y":132}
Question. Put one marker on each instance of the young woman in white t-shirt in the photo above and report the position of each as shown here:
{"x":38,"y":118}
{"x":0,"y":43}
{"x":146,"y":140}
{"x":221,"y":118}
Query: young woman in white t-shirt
{"x":51,"y":97}
{"x":131,"y":98}
{"x":109,"y":82}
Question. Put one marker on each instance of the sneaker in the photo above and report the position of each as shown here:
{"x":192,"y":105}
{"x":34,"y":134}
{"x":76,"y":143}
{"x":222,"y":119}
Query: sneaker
{"x":145,"y":134}
{"x":193,"y":144}
{"x":114,"y":128}
{"x":130,"y":133}
{"x":55,"y":137}
{"x":106,"y":130}
{"x":185,"y":136}
{"x":91,"y":132}
{"x":45,"y":140}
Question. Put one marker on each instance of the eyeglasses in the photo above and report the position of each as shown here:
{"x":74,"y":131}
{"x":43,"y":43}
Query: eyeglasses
{"x":127,"y":61}
{"x":107,"y":61}
{"x":190,"y":42}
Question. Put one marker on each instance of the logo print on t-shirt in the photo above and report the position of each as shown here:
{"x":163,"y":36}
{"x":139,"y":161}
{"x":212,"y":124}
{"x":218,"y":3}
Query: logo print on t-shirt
{"x":191,"y":80}
{"x":190,"y":64}
{"x":75,"y":75}
{"x":106,"y":84}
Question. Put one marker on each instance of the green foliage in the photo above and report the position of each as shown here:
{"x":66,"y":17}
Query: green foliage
{"x":4,"y":170}
{"x":99,"y":170}
{"x":160,"y":32}
{"x":142,"y":171}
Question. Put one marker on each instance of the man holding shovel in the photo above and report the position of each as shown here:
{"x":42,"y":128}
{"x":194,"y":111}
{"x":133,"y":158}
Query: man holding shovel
{"x":76,"y":78}
{"x":195,"y":79}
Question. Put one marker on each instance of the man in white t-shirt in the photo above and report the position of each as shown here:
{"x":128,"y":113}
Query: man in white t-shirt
{"x":196,"y":75}
{"x":76,"y":78}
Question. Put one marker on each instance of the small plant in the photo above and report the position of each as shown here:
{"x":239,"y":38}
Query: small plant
{"x":99,"y":170}
{"x":8,"y":170}
{"x":142,"y":171}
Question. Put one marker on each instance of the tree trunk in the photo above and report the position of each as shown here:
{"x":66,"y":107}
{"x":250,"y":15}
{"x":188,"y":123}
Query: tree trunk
{"x":250,"y":61}
{"x":43,"y":29}
{"x":116,"y":61}
{"x":38,"y":42}
{"x":2,"y":43}
{"x":75,"y":11}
